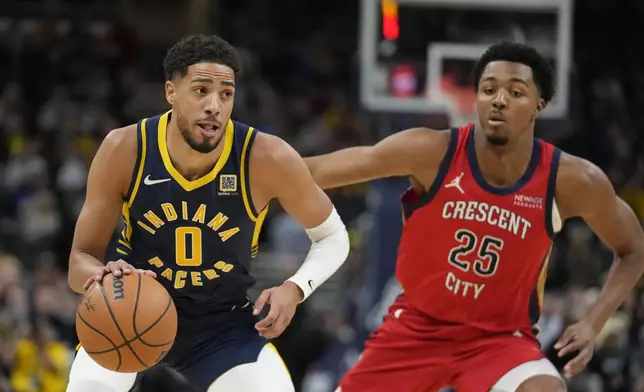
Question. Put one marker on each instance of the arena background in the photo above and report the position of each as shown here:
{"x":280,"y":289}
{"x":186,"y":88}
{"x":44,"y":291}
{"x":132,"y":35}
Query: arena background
{"x":323,"y":75}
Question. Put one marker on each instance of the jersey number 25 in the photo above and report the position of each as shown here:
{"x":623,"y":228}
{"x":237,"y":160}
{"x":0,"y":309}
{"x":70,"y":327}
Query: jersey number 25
{"x":487,"y":251}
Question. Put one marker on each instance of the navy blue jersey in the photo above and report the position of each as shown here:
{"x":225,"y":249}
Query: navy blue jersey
{"x":199,"y":236}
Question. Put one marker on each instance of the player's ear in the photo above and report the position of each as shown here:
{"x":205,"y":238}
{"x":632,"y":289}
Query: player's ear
{"x":540,"y":106}
{"x":170,"y":92}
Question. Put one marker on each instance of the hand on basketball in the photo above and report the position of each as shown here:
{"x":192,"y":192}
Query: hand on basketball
{"x":116,"y":268}
{"x":580,"y":338}
{"x":283,"y":301}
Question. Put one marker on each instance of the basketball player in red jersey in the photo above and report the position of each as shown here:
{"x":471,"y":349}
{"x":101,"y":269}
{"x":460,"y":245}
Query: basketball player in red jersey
{"x":485,"y":203}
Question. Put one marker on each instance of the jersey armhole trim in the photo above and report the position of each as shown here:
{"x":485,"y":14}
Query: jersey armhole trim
{"x":410,"y":207}
{"x":443,"y":168}
{"x":254,"y":246}
{"x":137,"y":171}
{"x":550,"y":192}
{"x":126,"y":233}
{"x":245,"y":175}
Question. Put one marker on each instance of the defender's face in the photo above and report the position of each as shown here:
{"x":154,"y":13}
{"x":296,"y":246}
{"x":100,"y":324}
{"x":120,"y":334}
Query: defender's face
{"x":508,"y":101}
{"x":202,"y":102}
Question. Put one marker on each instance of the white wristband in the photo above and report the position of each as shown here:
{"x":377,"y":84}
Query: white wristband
{"x":328,"y":252}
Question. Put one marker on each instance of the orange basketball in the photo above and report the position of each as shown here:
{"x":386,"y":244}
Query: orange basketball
{"x":127,"y":324}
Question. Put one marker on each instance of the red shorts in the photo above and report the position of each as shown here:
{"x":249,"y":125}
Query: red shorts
{"x":409,"y":354}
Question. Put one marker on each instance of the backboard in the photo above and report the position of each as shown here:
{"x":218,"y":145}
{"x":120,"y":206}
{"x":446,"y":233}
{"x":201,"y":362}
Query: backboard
{"x":441,"y":40}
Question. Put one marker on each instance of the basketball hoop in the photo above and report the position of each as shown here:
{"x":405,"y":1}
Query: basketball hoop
{"x":460,"y":102}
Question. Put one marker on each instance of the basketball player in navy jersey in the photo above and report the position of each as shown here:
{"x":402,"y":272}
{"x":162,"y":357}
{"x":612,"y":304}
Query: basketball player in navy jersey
{"x":485,"y":203}
{"x":193,"y":187}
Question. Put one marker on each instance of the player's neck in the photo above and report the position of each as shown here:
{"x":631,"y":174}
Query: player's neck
{"x":503,"y":165}
{"x":190,"y":163}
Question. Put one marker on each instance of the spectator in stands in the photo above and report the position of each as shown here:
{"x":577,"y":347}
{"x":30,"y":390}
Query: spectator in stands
{"x":41,"y":362}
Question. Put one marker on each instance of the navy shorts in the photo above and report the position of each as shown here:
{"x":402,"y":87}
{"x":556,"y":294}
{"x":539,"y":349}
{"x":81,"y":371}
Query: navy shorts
{"x":204,"y":354}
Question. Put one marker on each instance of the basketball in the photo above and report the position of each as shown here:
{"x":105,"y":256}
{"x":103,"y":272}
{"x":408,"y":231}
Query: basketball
{"x":127,"y":324}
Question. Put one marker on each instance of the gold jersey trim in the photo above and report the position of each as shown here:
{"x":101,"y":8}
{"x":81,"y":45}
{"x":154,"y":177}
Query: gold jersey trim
{"x":178,"y":177}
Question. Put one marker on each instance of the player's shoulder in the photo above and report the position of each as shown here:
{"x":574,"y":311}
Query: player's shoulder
{"x":273,"y":162}
{"x":420,"y":150}
{"x":577,"y":178}
{"x":270,"y":150}
{"x":266,"y":148}
{"x":422,"y":136}
{"x":118,"y":153}
{"x":420,"y":146}
{"x":123,"y":141}
{"x":575,"y":172}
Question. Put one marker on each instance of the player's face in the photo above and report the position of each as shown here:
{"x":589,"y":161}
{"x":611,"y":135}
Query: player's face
{"x":202,"y":102}
{"x":508,"y":101}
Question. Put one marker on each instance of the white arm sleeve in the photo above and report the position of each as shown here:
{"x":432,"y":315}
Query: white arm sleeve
{"x":328,"y":252}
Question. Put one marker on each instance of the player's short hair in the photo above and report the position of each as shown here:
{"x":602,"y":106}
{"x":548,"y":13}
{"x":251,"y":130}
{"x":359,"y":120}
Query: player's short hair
{"x":196,"y":49}
{"x":517,"y":53}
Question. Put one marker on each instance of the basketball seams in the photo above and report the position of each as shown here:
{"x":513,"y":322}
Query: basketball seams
{"x":144,"y":352}
{"x":125,"y":344}
{"x":161,"y":356}
{"x":153,"y":324}
{"x":138,"y":336}
{"x":114,"y":346}
{"x":157,"y":321}
{"x":118,"y":327}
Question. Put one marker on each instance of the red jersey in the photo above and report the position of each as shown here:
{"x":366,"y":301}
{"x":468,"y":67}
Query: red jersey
{"x":473,"y":255}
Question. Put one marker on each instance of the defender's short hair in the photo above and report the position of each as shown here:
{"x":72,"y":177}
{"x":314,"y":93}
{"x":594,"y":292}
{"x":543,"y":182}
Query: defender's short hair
{"x":542,"y":72}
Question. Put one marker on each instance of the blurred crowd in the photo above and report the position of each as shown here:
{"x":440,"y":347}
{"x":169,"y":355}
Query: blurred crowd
{"x":65,"y":83}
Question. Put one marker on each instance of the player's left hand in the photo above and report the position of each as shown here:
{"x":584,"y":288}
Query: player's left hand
{"x":283,"y":301}
{"x":580,"y":338}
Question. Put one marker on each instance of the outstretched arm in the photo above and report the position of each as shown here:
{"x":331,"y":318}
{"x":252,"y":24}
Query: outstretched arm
{"x":583,"y":190}
{"x":282,"y":173}
{"x":400,"y":154}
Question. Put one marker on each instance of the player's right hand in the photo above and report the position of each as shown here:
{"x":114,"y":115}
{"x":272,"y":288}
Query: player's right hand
{"x":116,"y":268}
